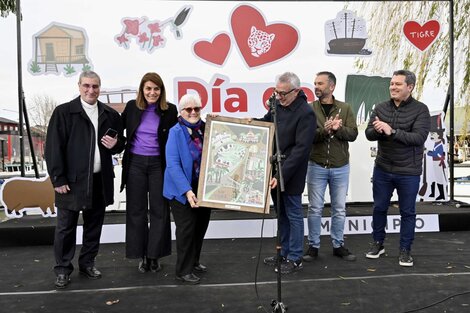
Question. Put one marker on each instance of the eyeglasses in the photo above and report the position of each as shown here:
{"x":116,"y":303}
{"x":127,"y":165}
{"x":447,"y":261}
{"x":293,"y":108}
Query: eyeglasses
{"x":88,"y":86}
{"x":189,"y":110}
{"x":283,"y":93}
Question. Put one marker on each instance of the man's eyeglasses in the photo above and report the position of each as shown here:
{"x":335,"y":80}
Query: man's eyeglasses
{"x":189,"y":110}
{"x":283,"y":93}
{"x":88,"y":86}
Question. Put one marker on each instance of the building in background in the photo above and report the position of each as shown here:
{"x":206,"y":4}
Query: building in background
{"x":10,"y":146}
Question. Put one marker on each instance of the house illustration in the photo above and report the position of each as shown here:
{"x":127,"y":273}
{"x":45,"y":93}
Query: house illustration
{"x":59,"y":47}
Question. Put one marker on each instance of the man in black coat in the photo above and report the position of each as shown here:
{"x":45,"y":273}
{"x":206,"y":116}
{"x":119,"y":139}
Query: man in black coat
{"x":82,"y":136}
{"x":400,"y":126}
{"x":296,"y":124}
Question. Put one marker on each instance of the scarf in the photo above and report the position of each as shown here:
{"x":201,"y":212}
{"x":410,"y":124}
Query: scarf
{"x":196,"y":133}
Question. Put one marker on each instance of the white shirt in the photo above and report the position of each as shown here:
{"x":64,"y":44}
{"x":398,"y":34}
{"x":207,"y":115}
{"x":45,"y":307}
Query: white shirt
{"x":92,"y":112}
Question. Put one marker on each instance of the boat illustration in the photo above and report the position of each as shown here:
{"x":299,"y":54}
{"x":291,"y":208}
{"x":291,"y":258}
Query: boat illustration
{"x":347,"y":44}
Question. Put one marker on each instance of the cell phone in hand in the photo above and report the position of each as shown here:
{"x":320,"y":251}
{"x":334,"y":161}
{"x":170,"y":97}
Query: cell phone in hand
{"x":111,"y":133}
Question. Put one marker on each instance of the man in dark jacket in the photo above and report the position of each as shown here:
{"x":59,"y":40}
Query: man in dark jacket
{"x":82,"y":136}
{"x":295,"y":128}
{"x":400,"y":126}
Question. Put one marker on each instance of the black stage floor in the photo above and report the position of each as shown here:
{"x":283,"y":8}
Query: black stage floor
{"x":238,"y":282}
{"x":439,"y":281}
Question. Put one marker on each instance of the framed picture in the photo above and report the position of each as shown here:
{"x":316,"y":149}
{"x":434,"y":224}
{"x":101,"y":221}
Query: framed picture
{"x":236,"y":167}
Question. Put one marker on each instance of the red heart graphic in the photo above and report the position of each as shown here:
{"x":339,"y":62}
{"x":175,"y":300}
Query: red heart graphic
{"x":421,"y":36}
{"x":283,"y":38}
{"x":216,"y":51}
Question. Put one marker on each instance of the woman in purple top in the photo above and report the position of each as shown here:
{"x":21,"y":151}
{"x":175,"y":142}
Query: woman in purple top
{"x":147,"y":120}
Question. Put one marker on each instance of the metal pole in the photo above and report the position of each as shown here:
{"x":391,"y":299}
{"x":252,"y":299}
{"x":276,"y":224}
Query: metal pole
{"x":30,"y":139}
{"x":451,"y":93}
{"x":278,"y":305}
{"x":20,"y":84}
{"x":3,"y":154}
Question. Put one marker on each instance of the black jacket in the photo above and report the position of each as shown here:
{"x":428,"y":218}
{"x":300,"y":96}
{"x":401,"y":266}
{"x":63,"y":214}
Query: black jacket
{"x":295,"y":128}
{"x":402,"y":152}
{"x":70,"y":147}
{"x":131,"y":120}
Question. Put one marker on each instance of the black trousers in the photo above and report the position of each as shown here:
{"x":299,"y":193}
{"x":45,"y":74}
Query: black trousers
{"x":65,"y":237}
{"x":144,"y":204}
{"x":191,"y":227}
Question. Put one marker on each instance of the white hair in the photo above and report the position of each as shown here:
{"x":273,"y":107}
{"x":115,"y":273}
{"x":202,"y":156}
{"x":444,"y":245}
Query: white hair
{"x":290,"y":78}
{"x":189,"y":99}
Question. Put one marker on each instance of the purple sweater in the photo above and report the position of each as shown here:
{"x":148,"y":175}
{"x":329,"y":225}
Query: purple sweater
{"x":145,"y":141}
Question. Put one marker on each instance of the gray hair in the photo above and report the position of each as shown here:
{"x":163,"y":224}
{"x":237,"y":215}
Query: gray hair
{"x":89,"y":74}
{"x":187,"y":99}
{"x":290,"y":78}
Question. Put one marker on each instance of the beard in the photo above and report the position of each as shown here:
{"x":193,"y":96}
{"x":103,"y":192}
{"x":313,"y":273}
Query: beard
{"x":320,"y":94}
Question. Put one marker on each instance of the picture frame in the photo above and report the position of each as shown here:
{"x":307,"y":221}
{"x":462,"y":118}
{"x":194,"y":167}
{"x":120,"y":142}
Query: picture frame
{"x":236,"y":164}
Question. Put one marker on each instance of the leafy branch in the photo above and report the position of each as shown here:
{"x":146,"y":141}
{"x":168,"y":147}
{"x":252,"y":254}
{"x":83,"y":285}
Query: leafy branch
{"x":392,"y":50}
{"x":7,"y":7}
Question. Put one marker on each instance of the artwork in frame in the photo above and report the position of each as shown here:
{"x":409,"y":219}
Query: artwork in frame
{"x":235,"y":167}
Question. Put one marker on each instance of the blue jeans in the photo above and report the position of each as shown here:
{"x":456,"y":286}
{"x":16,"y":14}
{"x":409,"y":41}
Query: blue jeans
{"x":318,"y":178}
{"x":383,"y":184}
{"x":291,"y":226}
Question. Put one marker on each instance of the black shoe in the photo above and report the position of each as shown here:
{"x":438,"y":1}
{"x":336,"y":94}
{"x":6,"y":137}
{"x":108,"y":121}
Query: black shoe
{"x":344,"y":253}
{"x":91,"y":272}
{"x":311,"y":254}
{"x":190,"y":279}
{"x":405,"y":258}
{"x":289,"y":266}
{"x":62,"y":281}
{"x":200,"y":268}
{"x":272,"y":260}
{"x":143,"y":266}
{"x":154,"y":265}
{"x":376,"y":250}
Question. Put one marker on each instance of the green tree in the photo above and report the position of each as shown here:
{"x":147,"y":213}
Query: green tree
{"x":7,"y":7}
{"x":391,"y":50}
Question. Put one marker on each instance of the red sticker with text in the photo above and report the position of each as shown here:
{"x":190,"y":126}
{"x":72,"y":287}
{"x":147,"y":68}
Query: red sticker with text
{"x":421,"y":36}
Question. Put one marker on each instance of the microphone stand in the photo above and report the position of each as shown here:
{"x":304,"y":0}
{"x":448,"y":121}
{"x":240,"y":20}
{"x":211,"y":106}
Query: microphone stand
{"x":277,"y":305}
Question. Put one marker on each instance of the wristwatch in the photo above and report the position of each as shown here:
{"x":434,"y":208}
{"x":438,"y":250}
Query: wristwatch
{"x":393,"y":132}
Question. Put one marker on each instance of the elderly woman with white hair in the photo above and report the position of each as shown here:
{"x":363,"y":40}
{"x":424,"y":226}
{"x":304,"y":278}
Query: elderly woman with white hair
{"x":183,"y":156}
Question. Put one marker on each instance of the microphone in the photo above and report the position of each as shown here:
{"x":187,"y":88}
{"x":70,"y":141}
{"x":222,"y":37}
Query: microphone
{"x":272,"y":100}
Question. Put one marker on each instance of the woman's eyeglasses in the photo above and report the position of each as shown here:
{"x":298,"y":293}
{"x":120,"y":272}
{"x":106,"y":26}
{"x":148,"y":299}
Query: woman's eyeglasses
{"x":195,"y":109}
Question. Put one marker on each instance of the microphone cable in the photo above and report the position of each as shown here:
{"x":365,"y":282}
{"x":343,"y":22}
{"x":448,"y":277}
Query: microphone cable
{"x":257,"y":266}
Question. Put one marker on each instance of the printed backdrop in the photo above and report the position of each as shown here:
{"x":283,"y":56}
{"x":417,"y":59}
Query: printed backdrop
{"x":229,"y":52}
